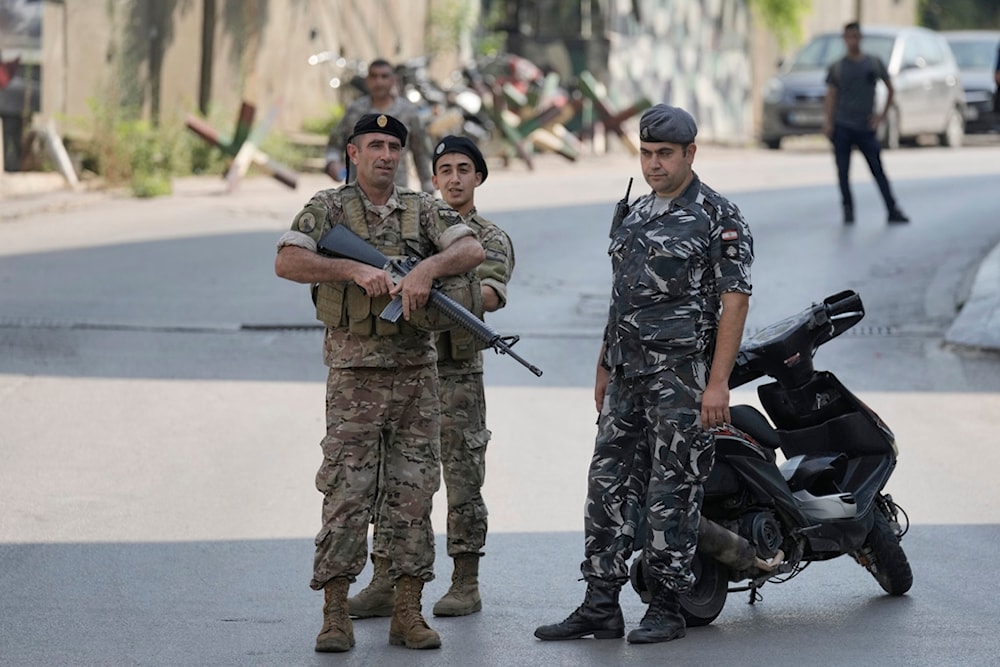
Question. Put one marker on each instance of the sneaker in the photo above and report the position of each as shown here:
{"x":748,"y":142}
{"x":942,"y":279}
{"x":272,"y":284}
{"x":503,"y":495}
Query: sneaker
{"x":896,"y":216}
{"x":848,"y":215}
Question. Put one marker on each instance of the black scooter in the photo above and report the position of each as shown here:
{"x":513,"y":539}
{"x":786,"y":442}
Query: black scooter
{"x":766,"y":522}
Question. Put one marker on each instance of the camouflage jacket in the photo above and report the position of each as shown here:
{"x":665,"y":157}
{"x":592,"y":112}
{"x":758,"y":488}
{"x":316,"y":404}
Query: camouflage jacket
{"x":417,"y":142}
{"x":495,"y":272}
{"x":438,"y":226}
{"x":669,"y":271}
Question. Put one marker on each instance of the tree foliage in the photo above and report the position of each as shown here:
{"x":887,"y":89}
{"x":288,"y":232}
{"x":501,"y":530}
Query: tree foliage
{"x":959,"y":14}
{"x":783,"y":17}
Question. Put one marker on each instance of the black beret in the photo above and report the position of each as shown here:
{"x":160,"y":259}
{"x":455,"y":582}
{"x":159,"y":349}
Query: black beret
{"x":662,"y":123}
{"x":380,"y":122}
{"x":453,"y":144}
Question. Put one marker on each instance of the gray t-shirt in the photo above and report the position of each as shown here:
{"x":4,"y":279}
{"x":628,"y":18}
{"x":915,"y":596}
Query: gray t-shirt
{"x":855,"y":83}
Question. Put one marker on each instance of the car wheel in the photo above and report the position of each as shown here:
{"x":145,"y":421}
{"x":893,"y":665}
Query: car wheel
{"x":954,"y":130}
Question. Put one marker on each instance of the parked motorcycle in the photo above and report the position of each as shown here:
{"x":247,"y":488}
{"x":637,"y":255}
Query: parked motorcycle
{"x":764,"y":522}
{"x":345,"y":73}
{"x":457,"y":109}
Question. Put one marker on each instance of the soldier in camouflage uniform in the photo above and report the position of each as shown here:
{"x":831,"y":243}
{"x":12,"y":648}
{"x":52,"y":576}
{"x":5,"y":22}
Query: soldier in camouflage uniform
{"x":459,"y":168}
{"x":681,"y":284}
{"x":382,"y":99}
{"x":382,"y":400}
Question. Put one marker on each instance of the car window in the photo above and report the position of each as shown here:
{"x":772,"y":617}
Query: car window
{"x":975,"y":54}
{"x":878,"y":45}
{"x":930,"y":48}
{"x":819,"y":53}
{"x":913,"y":55}
{"x":823,"y":50}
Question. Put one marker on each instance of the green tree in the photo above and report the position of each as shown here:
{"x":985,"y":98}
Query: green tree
{"x":959,"y":14}
{"x":783,"y":18}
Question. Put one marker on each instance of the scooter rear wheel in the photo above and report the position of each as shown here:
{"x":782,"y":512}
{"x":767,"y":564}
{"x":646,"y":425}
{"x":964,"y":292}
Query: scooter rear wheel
{"x":704,"y":602}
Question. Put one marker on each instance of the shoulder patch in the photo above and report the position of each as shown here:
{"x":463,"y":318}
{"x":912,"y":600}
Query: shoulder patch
{"x":309,"y":219}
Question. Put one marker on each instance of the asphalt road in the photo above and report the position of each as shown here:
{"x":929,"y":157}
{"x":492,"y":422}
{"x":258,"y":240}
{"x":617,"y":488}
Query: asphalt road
{"x":161,"y":404}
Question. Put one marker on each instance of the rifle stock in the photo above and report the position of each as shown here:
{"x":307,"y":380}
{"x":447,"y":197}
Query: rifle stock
{"x":343,"y":243}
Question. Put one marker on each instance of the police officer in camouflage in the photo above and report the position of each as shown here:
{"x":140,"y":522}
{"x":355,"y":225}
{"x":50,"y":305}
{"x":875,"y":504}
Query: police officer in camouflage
{"x":459,"y":168}
{"x":681,"y":289}
{"x":382,"y":397}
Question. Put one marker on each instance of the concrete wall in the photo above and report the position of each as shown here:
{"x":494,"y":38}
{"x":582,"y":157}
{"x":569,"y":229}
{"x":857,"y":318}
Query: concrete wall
{"x":148,"y":53}
{"x":710,"y":56}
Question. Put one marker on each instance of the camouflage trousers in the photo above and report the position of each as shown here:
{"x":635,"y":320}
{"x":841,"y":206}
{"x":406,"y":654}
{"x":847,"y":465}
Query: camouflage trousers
{"x":464,"y":437}
{"x":382,"y":432}
{"x":645,"y":486}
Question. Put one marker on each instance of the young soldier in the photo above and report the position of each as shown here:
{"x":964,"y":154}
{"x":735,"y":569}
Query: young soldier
{"x":459,"y":168}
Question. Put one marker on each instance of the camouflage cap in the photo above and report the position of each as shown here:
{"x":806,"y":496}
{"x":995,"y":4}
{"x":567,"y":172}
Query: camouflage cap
{"x":662,"y":123}
{"x":380,"y":122}
{"x":453,"y":144}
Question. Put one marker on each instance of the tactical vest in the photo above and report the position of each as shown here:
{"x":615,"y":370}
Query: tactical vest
{"x":343,"y":304}
{"x":457,"y":345}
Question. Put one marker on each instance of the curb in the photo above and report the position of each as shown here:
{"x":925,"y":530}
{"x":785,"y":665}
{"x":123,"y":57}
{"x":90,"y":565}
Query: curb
{"x":977,"y":325}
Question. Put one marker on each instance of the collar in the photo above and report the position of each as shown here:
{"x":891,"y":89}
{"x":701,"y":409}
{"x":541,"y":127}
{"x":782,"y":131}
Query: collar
{"x":391,"y":204}
{"x":691,"y":192}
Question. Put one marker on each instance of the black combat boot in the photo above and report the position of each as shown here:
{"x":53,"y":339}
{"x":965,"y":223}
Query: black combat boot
{"x":599,"y":615}
{"x":663,"y":620}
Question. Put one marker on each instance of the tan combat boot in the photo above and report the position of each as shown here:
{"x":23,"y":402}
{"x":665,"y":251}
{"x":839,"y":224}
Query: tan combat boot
{"x":377,"y":597}
{"x":337,"y":634}
{"x":462,"y":598}
{"x":408,"y":627}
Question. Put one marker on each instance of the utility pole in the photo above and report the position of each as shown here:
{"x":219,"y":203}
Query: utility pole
{"x":857,"y":10}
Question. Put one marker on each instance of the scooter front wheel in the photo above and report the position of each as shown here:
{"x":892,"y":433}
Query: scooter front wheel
{"x":884,"y":558}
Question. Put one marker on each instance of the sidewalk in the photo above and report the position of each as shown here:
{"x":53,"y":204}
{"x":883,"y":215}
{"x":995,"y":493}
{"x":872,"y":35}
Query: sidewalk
{"x":592,"y":179}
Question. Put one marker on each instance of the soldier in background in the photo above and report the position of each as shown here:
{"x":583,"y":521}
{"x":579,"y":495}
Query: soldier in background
{"x":680,"y":294}
{"x":382,"y":98}
{"x":382,"y":398}
{"x":459,"y":168}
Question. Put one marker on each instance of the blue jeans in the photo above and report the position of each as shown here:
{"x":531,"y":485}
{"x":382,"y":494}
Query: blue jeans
{"x":844,"y":139}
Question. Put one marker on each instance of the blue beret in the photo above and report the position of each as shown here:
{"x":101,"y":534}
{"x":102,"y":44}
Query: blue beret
{"x":380,"y":122}
{"x":453,"y":144}
{"x":662,"y":123}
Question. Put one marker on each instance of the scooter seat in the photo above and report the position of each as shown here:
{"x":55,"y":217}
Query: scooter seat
{"x":749,"y":420}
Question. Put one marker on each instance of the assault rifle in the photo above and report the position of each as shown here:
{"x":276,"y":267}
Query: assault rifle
{"x":341,"y":242}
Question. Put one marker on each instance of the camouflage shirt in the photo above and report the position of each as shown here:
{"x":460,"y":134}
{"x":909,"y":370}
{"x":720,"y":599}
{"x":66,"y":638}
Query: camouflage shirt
{"x":439,"y":226}
{"x":417,"y":141}
{"x":669,"y":272}
{"x":494,"y":271}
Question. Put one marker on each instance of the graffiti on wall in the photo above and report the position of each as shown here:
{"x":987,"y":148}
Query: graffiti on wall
{"x":693,"y":55}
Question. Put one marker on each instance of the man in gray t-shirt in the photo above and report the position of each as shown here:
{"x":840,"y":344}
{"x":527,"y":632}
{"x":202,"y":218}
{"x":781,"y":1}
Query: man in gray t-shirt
{"x":850,"y":119}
